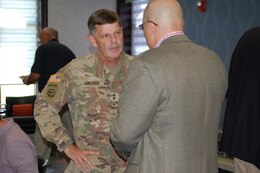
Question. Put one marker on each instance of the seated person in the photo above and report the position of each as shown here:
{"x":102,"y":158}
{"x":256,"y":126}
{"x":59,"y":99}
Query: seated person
{"x":17,"y":152}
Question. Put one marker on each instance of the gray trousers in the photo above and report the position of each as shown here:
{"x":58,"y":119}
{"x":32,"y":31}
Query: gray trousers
{"x":44,"y":147}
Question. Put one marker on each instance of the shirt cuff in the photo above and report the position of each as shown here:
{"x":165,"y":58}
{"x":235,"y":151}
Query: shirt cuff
{"x":64,"y":143}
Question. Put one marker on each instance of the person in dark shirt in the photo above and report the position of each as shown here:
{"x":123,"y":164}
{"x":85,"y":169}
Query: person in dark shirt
{"x":49,"y":58}
{"x":241,"y":130}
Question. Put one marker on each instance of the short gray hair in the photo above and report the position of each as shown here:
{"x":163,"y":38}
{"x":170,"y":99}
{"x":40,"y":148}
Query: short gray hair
{"x":51,"y":31}
{"x":101,"y":17}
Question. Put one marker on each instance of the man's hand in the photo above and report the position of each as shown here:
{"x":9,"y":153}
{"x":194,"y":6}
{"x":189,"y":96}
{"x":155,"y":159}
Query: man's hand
{"x":24,"y":79}
{"x":79,"y":156}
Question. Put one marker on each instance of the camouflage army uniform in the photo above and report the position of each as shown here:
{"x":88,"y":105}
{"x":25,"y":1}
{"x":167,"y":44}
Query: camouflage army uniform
{"x":92,"y":93}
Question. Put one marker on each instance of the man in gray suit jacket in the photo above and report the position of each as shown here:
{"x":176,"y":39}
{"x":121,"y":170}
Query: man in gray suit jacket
{"x":171,"y":102}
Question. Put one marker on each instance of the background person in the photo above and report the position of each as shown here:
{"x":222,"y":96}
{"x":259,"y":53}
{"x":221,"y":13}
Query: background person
{"x":50,"y":56}
{"x":17,"y":152}
{"x":241,"y":130}
{"x":90,"y":86}
{"x":171,"y":102}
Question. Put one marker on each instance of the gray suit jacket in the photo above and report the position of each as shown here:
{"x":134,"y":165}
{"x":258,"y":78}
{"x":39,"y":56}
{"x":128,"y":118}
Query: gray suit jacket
{"x":169,"y":110}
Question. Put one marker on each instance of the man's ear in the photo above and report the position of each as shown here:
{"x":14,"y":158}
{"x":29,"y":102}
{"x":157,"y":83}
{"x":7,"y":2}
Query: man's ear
{"x":152,"y":27}
{"x":92,"y":40}
{"x":151,"y":34}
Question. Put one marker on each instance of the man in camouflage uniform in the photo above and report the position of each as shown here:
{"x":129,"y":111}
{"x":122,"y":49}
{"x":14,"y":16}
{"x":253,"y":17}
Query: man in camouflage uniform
{"x":90,"y":86}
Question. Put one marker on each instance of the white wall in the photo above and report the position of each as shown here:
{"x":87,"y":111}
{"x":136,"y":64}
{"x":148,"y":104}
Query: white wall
{"x":70,"y":17}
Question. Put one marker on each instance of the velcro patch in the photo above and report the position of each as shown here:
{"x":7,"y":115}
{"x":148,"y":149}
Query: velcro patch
{"x":52,"y":91}
{"x":92,"y":83}
{"x":55,"y":78}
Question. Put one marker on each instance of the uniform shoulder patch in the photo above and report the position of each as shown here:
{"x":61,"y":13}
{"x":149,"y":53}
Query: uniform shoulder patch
{"x":53,"y":87}
{"x":55,"y":78}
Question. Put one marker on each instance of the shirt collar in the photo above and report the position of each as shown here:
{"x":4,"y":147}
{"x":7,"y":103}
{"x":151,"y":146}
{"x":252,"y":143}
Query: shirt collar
{"x":53,"y":40}
{"x":167,"y":36}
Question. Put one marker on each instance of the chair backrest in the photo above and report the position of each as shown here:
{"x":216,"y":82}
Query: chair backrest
{"x":21,"y":110}
{"x":20,"y":106}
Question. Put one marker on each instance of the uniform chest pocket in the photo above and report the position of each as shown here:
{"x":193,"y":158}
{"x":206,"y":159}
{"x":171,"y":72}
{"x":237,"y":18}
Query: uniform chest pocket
{"x":94,"y":96}
{"x":95,"y":90}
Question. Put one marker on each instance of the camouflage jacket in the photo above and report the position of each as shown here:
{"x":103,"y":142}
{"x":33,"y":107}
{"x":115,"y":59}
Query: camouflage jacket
{"x":92,"y":93}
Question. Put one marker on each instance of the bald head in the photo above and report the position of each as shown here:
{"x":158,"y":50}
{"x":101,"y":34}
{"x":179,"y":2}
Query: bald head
{"x":47,"y":34}
{"x":166,"y":13}
{"x":161,"y":17}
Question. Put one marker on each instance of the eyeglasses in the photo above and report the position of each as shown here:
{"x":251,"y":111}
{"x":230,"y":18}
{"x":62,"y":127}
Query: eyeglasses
{"x":141,"y":27}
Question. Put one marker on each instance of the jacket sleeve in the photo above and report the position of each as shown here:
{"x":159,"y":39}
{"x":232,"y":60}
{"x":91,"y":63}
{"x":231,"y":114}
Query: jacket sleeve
{"x":47,"y":107}
{"x":137,"y":106}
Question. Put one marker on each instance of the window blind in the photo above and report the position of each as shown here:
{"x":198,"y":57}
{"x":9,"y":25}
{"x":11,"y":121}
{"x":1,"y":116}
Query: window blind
{"x":138,"y":40}
{"x":124,"y":10}
{"x":18,"y":38}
